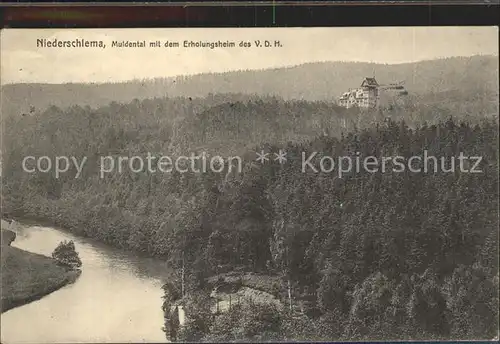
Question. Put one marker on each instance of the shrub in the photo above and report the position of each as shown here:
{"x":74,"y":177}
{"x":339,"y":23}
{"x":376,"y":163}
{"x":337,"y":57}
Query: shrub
{"x":251,"y":322}
{"x":66,"y":255}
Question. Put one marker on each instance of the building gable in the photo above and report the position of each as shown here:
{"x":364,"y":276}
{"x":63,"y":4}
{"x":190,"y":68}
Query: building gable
{"x":369,"y":82}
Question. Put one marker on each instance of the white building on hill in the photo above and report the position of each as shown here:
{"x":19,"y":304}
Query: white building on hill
{"x":368,"y":94}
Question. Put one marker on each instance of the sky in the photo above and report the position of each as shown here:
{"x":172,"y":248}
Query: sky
{"x":22,"y":61}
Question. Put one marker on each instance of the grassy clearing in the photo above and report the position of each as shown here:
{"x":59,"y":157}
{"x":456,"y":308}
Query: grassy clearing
{"x":28,"y":276}
{"x":235,"y":287}
{"x":266,"y":283}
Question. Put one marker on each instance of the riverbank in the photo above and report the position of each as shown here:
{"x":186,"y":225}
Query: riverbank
{"x":115,"y":284}
{"x":27,"y":277}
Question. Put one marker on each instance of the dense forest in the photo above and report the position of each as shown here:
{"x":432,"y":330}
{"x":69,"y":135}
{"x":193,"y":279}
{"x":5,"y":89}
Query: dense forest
{"x":367,"y":256}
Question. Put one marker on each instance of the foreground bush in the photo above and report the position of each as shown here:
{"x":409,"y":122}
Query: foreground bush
{"x":66,"y":255}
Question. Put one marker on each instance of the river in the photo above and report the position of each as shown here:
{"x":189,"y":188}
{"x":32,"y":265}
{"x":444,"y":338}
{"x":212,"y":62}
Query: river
{"x":117,"y":298}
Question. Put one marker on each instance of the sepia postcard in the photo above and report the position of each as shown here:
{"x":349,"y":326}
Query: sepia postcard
{"x":249,"y":184}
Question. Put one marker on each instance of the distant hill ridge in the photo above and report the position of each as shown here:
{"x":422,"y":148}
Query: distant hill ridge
{"x":310,"y":81}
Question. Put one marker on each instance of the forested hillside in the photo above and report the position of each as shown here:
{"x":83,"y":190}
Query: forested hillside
{"x":368,"y":256}
{"x":324,"y":81}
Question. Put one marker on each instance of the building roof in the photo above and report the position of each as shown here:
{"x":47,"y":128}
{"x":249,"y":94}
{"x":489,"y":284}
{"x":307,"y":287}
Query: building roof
{"x":356,"y":93}
{"x":369,"y":82}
